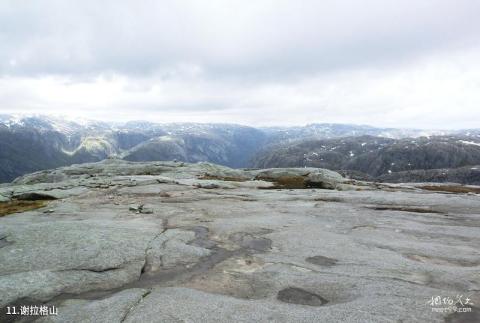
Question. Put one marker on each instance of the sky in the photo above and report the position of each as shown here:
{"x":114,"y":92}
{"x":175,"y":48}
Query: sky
{"x":389,"y":63}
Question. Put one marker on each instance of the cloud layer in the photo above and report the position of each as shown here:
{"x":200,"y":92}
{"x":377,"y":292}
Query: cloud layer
{"x":265,"y":62}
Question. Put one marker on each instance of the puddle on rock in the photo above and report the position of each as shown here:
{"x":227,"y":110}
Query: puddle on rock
{"x":248,"y":241}
{"x":322,"y":261}
{"x":294,"y":295}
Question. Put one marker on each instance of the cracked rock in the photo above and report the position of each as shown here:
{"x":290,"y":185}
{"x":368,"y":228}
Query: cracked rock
{"x":236,"y":253}
{"x":50,"y":258}
{"x":115,"y":308}
{"x":172,"y":249}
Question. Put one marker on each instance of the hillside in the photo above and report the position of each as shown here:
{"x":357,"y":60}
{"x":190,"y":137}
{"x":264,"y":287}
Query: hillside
{"x":376,"y":157}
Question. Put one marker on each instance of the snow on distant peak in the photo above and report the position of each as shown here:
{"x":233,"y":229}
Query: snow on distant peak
{"x":11,"y":120}
{"x":63,"y":124}
{"x":469,"y":143}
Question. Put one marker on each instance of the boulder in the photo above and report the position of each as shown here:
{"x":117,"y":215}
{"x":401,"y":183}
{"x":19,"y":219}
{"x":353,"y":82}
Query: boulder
{"x":300,"y":177}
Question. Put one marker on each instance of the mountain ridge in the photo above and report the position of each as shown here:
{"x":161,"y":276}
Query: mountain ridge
{"x":31,"y":143}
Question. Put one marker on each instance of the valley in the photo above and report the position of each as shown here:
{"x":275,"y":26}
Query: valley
{"x":34,"y":143}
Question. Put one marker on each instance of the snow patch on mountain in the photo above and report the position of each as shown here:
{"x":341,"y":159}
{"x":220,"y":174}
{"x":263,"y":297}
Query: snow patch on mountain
{"x":469,"y":142}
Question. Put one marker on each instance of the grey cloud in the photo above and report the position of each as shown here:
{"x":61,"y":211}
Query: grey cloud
{"x":386,"y":63}
{"x":236,"y":39}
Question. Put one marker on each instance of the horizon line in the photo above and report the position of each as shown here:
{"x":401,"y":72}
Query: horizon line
{"x":85,"y":119}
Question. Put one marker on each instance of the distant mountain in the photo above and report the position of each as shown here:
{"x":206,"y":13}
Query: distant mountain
{"x":463,"y":175}
{"x":332,"y":130}
{"x":372,"y":157}
{"x":31,"y":143}
{"x":228,"y":145}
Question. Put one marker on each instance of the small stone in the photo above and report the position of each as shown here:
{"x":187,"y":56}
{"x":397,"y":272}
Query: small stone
{"x":136,"y":208}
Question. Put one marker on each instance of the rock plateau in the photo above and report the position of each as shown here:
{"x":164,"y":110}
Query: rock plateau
{"x":119,"y":241}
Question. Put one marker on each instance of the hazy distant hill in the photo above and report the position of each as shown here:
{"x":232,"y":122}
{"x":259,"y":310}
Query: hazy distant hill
{"x":331,"y":130}
{"x":39,"y":142}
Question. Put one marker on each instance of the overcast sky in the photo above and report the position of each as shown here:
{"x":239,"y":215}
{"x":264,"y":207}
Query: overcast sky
{"x":406,"y":63}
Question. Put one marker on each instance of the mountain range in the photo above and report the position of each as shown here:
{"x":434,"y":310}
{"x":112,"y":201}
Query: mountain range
{"x":31,"y":143}
{"x":447,"y":158}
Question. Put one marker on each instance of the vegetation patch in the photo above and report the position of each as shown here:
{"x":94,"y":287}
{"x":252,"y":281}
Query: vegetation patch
{"x":451,"y":188}
{"x":292,"y":182}
{"x":32,"y":196}
{"x":223,"y":178}
{"x":403,"y":209}
{"x":18,"y":206}
{"x":285,"y":182}
{"x":329,"y":199}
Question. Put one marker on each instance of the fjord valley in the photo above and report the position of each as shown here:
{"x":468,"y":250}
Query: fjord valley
{"x":384,"y":154}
